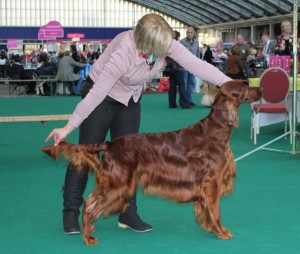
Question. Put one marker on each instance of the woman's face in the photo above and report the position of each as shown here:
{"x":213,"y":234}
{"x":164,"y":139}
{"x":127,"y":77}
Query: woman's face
{"x":286,"y":28}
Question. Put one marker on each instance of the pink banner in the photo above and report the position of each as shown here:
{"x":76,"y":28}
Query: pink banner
{"x":14,"y":44}
{"x":11,"y":43}
{"x":51,"y":31}
{"x":279,"y":61}
{"x":272,"y":61}
{"x":286,"y":63}
{"x":283,"y":62}
{"x":54,"y":33}
{"x":75,"y":35}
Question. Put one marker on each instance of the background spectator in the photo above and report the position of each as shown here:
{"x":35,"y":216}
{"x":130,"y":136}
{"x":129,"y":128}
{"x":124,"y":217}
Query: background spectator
{"x":235,"y":68}
{"x":244,"y":52}
{"x":208,"y":55}
{"x":268,"y":47}
{"x":66,"y":73}
{"x":192,"y":45}
{"x":284,"y":45}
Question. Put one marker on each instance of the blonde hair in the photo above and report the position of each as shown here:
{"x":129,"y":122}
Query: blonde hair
{"x":285,"y":22}
{"x":153,"y":34}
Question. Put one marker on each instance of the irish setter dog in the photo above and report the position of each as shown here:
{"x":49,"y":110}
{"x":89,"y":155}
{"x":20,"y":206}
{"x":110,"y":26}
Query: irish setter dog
{"x":194,"y":164}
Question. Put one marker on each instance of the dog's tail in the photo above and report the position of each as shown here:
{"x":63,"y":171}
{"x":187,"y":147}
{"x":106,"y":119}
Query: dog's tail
{"x":81,"y":156}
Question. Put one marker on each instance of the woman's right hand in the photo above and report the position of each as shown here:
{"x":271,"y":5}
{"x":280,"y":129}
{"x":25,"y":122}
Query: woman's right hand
{"x":60,"y":133}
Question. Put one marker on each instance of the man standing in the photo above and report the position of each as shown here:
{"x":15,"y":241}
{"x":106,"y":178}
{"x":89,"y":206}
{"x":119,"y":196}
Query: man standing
{"x":244,"y":50}
{"x":192,"y":45}
{"x":268,"y":47}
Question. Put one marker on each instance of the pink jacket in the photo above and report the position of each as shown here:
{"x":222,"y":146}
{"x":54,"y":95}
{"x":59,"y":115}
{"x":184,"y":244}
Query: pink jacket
{"x":120,"y":73}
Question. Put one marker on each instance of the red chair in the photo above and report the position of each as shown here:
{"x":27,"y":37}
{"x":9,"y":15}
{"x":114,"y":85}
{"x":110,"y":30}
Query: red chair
{"x":272,"y":108}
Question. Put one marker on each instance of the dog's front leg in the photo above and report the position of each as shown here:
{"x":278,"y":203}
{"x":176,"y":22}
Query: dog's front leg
{"x":213,"y":206}
{"x":207,"y":211}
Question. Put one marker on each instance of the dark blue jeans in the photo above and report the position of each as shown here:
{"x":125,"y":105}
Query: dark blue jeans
{"x":190,"y":84}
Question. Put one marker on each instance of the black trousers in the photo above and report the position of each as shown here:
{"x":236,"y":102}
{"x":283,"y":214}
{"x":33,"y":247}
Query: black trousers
{"x":176,"y":79}
{"x":109,"y":116}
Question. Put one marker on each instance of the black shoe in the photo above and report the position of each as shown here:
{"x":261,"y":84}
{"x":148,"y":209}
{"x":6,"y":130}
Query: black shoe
{"x":71,"y":224}
{"x":136,"y":224}
{"x":187,"y":107}
{"x":192,"y":104}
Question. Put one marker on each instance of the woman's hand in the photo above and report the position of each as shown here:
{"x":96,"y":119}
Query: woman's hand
{"x":60,"y":133}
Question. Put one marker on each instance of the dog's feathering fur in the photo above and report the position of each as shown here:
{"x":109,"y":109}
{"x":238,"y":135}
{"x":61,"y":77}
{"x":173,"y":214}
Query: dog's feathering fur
{"x":194,"y":164}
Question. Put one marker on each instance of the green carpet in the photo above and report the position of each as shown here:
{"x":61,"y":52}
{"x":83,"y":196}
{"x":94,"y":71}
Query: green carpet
{"x":262,"y":212}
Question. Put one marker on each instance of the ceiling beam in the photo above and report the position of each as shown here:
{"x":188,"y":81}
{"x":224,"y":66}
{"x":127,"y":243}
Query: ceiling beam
{"x":214,"y":12}
{"x":254,"y":21}
{"x":280,"y":5}
{"x":191,"y":6}
{"x":170,"y":11}
{"x":250,"y":8}
{"x":233,"y":8}
{"x":264,"y":6}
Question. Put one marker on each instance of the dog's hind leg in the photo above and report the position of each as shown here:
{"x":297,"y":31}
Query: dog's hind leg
{"x":93,"y":208}
{"x":97,"y":203}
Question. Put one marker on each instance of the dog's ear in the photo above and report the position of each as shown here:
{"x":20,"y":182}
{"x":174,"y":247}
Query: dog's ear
{"x":243,"y":81}
{"x":233,"y":114}
{"x":231,"y":89}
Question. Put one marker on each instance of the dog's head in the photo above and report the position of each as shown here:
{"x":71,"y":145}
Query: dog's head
{"x":232,"y":94}
{"x":239,"y":92}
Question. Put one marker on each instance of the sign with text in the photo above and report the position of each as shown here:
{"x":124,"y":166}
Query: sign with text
{"x":51,"y":31}
{"x":14,"y":44}
{"x":75,"y":35}
{"x":283,"y":62}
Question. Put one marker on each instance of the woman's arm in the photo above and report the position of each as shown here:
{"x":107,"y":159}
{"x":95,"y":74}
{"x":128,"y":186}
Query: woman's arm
{"x":198,"y":67}
{"x":115,"y":67}
{"x":60,"y":133}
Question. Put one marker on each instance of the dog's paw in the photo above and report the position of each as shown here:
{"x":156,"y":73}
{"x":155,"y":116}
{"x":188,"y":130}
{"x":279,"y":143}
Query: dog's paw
{"x":225,"y":235}
{"x":91,"y":240}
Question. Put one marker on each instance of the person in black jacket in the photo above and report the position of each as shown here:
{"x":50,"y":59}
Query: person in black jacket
{"x":46,"y":69}
{"x":208,"y":56}
{"x":17,"y":71}
{"x":175,"y":73}
{"x":76,"y":56}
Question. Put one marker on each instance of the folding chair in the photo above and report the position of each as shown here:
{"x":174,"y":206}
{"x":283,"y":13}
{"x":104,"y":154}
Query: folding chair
{"x":272,"y":108}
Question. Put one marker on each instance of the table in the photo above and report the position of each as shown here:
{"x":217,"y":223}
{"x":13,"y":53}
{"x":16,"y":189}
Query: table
{"x":253,"y":82}
{"x":14,"y":82}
